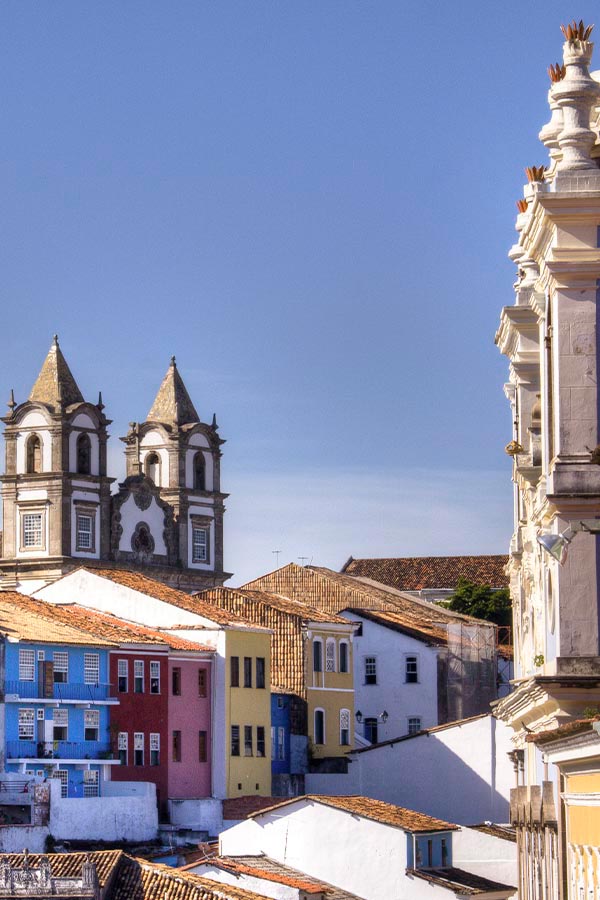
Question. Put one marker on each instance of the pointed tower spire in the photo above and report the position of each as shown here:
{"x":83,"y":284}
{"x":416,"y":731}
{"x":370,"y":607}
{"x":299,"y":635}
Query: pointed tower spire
{"x":172,"y":404}
{"x":55,"y":384}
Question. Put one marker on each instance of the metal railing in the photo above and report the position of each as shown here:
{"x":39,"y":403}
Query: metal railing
{"x":33,"y":690}
{"x":58,"y":750}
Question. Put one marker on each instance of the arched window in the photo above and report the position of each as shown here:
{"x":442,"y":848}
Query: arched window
{"x":319,"y":726}
{"x":34,"y":454}
{"x":84,"y":455}
{"x":153,"y":468}
{"x":199,"y":472}
{"x":344,"y":727}
{"x":330,"y":654}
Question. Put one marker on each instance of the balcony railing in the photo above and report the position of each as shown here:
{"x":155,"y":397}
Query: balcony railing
{"x":58,"y":750}
{"x":33,"y":690}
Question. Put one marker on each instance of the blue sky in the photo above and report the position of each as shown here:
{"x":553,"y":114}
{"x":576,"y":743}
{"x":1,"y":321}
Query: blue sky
{"x":310,"y":204}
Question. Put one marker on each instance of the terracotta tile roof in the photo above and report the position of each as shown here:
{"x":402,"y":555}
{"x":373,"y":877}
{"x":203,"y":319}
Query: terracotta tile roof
{"x":460,"y":882}
{"x":25,"y":619}
{"x":417,"y":573}
{"x":140,"y":880}
{"x":260,"y":599}
{"x":238,"y":808}
{"x":570,"y":729}
{"x":287,"y":619}
{"x":69,"y":865}
{"x":407,"y":623}
{"x":271,"y":870}
{"x":144,"y":585}
{"x":333,"y":592}
{"x":376,"y":810}
{"x":116,"y":629}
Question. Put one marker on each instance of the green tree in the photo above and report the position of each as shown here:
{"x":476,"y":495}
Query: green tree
{"x":480,"y":601}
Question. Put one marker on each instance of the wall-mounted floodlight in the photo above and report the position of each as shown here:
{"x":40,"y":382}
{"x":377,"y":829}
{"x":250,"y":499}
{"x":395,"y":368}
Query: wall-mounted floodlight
{"x":557,"y":545}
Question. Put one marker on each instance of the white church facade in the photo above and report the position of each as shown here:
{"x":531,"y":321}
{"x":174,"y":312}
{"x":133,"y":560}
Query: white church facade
{"x":59,"y":511}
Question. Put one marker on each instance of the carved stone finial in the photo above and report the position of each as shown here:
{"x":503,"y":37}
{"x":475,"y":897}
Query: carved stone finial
{"x":522,"y":205}
{"x":556,"y":72}
{"x":100,"y":404}
{"x":11,"y":400}
{"x":173,"y":362}
{"x":55,"y":340}
{"x":576,"y":94}
{"x":214,"y":426}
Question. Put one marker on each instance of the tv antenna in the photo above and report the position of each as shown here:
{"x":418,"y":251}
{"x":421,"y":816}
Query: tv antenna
{"x":303,"y":559}
{"x":276,"y":555}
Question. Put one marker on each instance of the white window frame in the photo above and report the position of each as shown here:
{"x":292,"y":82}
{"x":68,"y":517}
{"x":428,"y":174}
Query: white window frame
{"x":91,"y":783}
{"x":317,"y":640}
{"x":371,"y":662}
{"x":280,"y":742}
{"x":200,"y":544}
{"x":154,"y":676}
{"x":26,"y":665}
{"x":344,"y":727}
{"x":123,"y":672}
{"x":32,"y":529}
{"x":138,"y":744}
{"x":154,"y":748}
{"x":85,"y":537}
{"x":138,"y":672}
{"x":345,"y":644}
{"x":60,"y":719}
{"x":91,"y":719}
{"x":411,"y":728}
{"x":91,"y":668}
{"x":330,"y":655}
{"x":322,"y":743}
{"x":26,"y":724}
{"x":411,"y":657}
{"x":123,"y":744}
{"x":60,"y":663}
{"x":62,"y":775}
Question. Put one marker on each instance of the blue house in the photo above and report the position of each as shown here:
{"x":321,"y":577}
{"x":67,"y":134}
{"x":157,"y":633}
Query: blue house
{"x":57,"y":698}
{"x":280,"y":733}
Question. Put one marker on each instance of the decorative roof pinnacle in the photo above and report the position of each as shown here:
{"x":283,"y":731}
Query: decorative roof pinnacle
{"x":574,"y":32}
{"x":100,"y":404}
{"x":11,"y":400}
{"x":522,"y":205}
{"x":557,"y":72}
{"x":214,"y":425}
{"x":535,"y":173}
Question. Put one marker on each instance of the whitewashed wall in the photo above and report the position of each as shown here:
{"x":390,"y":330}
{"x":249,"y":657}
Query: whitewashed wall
{"x":486,"y":855}
{"x":199,"y":815}
{"x":297,"y":835}
{"x":14,"y":838}
{"x":249,"y":883}
{"x":391,"y":693}
{"x":154,"y":518}
{"x":460,"y":773}
{"x":106,"y":818}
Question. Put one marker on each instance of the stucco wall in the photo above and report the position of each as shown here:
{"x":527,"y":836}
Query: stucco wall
{"x":104,"y":818}
{"x":460,"y":773}
{"x":189,"y":714}
{"x":13,"y":838}
{"x":392,"y":693}
{"x":315,"y":839}
{"x":486,"y":855}
{"x":200,"y":815}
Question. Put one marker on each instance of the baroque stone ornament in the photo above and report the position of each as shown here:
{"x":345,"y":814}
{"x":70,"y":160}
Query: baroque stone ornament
{"x":142,"y":497}
{"x":142,"y":542}
{"x":576,"y":94}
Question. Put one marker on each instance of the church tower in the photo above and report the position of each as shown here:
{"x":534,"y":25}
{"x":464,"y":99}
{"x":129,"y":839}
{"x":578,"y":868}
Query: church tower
{"x":55,"y":491}
{"x":169,"y":511}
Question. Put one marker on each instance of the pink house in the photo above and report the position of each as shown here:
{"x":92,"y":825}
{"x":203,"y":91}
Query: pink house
{"x":189,"y":726}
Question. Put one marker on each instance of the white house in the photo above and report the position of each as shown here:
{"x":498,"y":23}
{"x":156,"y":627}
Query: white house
{"x":396,"y":684}
{"x":400,"y":854}
{"x":460,"y":771}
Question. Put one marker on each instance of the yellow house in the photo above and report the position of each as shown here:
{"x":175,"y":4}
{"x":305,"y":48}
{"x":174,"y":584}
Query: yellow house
{"x":248,"y":712}
{"x":311,"y":666}
{"x":574,"y":748}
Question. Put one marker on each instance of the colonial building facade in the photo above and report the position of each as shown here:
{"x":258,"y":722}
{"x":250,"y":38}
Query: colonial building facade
{"x":58,"y":511}
{"x":550,"y":336}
